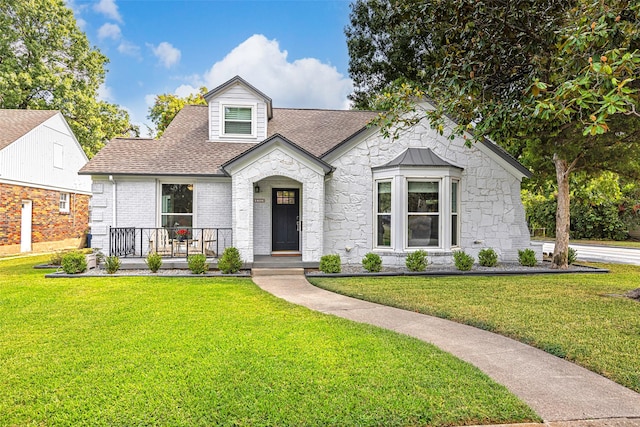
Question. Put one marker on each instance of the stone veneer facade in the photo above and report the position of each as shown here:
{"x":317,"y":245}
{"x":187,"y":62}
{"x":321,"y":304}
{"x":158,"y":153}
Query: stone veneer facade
{"x":491,"y":211}
{"x":51,"y":229}
{"x":252,"y":220}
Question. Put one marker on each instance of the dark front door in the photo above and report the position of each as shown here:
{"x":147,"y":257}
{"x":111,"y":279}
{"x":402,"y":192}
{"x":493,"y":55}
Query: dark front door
{"x":285,"y":217}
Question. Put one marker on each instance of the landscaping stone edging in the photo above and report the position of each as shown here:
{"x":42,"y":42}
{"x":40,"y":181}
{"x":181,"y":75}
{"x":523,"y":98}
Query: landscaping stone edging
{"x":487,"y":271}
{"x":131,"y":273}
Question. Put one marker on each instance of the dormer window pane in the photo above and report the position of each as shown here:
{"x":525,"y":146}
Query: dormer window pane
{"x":237,"y":120}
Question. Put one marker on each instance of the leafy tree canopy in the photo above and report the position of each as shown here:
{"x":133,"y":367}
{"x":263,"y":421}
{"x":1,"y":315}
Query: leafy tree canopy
{"x":554,"y":81}
{"x":166,"y":106}
{"x":46,"y":62}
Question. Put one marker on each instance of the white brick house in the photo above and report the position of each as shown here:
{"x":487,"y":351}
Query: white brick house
{"x":306,"y":183}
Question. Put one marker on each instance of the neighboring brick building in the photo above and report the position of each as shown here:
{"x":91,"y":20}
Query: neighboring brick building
{"x":44,"y":203}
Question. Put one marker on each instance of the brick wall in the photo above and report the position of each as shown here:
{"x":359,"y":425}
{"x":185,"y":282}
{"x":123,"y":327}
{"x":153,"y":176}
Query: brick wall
{"x":48,"y":224}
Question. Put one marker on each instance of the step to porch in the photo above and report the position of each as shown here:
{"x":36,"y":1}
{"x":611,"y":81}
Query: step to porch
{"x":277,"y":271}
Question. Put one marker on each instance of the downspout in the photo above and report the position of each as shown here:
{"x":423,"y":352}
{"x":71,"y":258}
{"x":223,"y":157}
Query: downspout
{"x":113,"y":198}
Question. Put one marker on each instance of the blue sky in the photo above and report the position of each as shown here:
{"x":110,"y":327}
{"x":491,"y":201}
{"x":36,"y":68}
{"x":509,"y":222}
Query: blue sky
{"x":293,"y":51}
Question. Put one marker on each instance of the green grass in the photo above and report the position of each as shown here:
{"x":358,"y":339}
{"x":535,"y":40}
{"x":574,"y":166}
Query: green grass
{"x":575,"y":316}
{"x":202,"y":352}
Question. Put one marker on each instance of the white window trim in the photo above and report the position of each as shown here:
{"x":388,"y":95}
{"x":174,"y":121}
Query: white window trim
{"x":376,"y":214}
{"x":406,"y":213}
{"x":254,"y":124}
{"x":400,"y":177}
{"x":457,"y":213}
{"x":67,"y":203}
{"x":194,"y":222}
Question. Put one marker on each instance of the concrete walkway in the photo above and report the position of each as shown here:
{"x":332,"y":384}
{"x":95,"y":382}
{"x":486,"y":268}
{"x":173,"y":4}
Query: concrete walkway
{"x":561,"y":393}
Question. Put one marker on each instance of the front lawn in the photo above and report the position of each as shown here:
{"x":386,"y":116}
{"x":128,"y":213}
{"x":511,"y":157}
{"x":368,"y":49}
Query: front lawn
{"x":202,"y":352}
{"x":581,"y":317}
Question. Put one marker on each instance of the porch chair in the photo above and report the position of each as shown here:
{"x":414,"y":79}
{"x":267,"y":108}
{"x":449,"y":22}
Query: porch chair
{"x":160,"y":242}
{"x":209,"y":239}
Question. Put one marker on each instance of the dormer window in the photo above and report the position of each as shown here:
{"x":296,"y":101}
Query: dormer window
{"x":238,"y":120}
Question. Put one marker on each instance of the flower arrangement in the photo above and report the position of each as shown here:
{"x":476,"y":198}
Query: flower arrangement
{"x":182,"y":233}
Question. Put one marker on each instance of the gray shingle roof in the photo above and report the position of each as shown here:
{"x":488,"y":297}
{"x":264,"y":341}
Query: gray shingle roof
{"x":185,"y":149}
{"x":17,"y":123}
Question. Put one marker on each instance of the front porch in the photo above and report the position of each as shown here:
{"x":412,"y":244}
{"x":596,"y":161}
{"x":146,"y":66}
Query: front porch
{"x":170,"y":242}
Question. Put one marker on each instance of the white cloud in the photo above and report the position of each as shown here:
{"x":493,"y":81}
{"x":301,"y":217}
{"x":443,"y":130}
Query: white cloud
{"x":109,"y":31}
{"x":108,"y":8}
{"x":104,"y":93}
{"x":149,"y":100}
{"x":303,"y":83}
{"x":166,"y":53}
{"x":186,"y":90}
{"x":129,"y":49}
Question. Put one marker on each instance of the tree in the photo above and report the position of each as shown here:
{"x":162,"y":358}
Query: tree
{"x":166,"y":106}
{"x":46,"y":62}
{"x":553,"y":81}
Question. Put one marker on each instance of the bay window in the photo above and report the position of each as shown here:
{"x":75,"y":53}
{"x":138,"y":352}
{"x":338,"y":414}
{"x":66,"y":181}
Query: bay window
{"x":416,"y":203}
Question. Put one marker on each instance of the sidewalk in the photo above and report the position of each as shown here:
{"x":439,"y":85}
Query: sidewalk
{"x":557,"y":390}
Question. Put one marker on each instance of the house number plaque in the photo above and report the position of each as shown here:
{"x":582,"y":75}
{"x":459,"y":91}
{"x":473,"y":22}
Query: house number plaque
{"x":258,"y":200}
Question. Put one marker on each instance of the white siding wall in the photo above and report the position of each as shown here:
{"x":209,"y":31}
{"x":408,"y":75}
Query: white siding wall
{"x":137,"y":205}
{"x":213,"y":204}
{"x":30,"y":159}
{"x":491,"y":214}
{"x":237,"y":95}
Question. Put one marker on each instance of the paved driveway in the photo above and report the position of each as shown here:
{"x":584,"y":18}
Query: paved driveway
{"x":597,"y":253}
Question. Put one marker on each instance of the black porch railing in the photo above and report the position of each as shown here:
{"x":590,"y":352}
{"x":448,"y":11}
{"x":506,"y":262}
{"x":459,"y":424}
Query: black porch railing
{"x":173,"y":242}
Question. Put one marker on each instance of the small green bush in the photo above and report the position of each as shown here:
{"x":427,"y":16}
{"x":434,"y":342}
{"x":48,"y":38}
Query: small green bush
{"x":572,"y":255}
{"x":488,"y":257}
{"x":463,"y":260}
{"x":230,"y":261}
{"x":330,"y":264}
{"x":198,"y":263}
{"x":372,"y":262}
{"x":527,"y":257}
{"x":112,"y":264}
{"x":154,"y":261}
{"x":73,"y":262}
{"x":417,"y":261}
{"x":56,"y":257}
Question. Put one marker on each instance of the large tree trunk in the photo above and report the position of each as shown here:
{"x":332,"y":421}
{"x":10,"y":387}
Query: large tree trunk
{"x":563,"y":217}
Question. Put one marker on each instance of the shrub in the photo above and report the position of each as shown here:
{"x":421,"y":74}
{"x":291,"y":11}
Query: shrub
{"x":56,"y":257}
{"x":527,"y":258}
{"x":572,"y":255}
{"x":330,"y":264}
{"x":73,"y":262}
{"x":230,"y":261}
{"x":112,"y":264}
{"x":153,"y":261}
{"x":372,"y":262}
{"x":463,"y":260}
{"x":488,"y":257}
{"x":198,"y":263}
{"x":417,"y":261}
